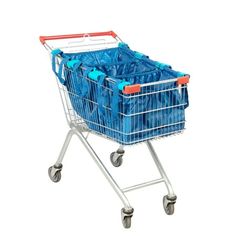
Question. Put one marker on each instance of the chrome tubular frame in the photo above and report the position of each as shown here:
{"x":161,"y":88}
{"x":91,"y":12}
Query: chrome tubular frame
{"x":78,"y":127}
{"x":119,"y":191}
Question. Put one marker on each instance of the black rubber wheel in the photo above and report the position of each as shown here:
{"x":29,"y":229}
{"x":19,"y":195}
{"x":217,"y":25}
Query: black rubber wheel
{"x":126,"y":222}
{"x":118,"y":162}
{"x":169,"y":208}
{"x":56,"y":177}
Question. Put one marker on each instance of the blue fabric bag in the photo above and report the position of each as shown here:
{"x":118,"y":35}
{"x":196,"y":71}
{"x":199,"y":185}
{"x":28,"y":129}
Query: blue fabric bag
{"x":125,"y":118}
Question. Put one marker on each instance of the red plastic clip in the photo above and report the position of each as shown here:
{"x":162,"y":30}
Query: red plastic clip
{"x":183,"y":80}
{"x":136,"y":88}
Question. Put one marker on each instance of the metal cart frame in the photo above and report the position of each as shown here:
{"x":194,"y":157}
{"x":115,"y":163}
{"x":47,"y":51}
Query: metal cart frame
{"x":79,"y":129}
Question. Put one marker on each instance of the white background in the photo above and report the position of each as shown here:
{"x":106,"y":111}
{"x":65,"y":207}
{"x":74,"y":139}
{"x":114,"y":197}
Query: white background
{"x":196,"y":37}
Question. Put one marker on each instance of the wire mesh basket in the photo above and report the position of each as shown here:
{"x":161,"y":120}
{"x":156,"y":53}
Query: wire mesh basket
{"x":122,"y":94}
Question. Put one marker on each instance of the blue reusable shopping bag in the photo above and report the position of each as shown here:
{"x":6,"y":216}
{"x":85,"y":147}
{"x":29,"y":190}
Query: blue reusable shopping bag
{"x":105,"y":109}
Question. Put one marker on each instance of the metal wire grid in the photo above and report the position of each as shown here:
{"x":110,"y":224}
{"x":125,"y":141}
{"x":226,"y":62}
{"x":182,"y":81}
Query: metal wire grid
{"x":84,"y":44}
{"x":142,"y":116}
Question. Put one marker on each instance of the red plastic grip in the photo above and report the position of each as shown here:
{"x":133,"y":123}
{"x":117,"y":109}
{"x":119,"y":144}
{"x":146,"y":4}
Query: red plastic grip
{"x":136,"y":88}
{"x":183,"y":80}
{"x":43,"y":39}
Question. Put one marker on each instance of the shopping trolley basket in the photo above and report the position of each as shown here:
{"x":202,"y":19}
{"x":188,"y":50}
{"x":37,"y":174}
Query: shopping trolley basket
{"x":110,"y":90}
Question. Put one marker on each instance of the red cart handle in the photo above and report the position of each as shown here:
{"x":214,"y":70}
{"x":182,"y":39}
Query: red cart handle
{"x":43,"y":39}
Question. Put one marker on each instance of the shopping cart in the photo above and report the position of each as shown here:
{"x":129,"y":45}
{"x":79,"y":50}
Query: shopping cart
{"x":109,"y":90}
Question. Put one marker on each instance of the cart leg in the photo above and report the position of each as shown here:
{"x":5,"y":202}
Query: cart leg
{"x":170,"y":199}
{"x":161,"y":170}
{"x":64,"y":148}
{"x":128,"y":210}
{"x":54,"y":171}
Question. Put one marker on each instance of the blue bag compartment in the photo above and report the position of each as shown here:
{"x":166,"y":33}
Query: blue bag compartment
{"x":158,"y":110}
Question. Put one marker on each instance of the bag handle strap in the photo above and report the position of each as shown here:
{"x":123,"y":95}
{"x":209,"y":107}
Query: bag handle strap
{"x":54,"y":54}
{"x":115,"y":100}
{"x":118,"y":86}
{"x":100,"y":97}
{"x":73,"y":65}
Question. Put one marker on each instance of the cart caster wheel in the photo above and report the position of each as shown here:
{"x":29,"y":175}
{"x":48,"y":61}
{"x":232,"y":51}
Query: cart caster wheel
{"x":126,"y":222}
{"x":126,"y":216}
{"x":54,"y":173}
{"x":116,"y":158}
{"x":169,"y":204}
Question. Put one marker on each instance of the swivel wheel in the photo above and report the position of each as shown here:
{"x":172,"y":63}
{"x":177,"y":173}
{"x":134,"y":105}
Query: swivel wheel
{"x":117,"y":158}
{"x":126,"y":216}
{"x":169,"y":204}
{"x":54,"y":173}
